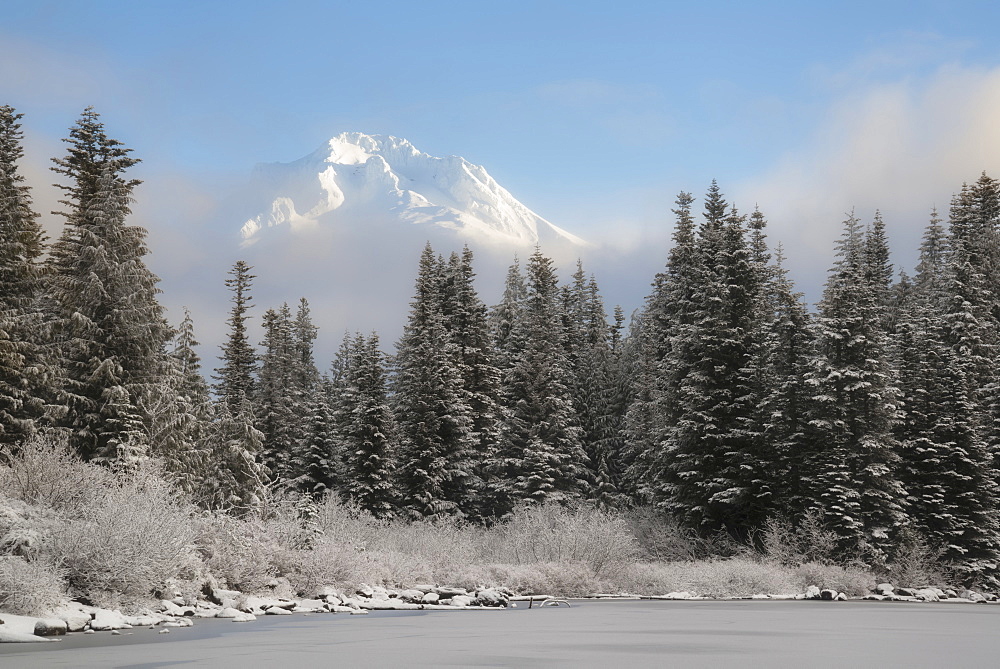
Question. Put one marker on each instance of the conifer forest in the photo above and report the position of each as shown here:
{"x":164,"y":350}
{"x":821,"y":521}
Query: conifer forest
{"x":724,"y":404}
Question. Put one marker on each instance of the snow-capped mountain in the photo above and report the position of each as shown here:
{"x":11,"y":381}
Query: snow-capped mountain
{"x":360,"y":180}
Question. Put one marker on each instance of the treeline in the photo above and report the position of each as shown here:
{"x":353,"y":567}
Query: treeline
{"x":727,"y":403}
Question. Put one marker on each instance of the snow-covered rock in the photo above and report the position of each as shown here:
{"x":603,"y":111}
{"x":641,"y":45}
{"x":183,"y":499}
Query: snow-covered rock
{"x":813,"y":592}
{"x":490,"y":597}
{"x":410,"y":595}
{"x":827,"y":594}
{"x":430,"y":598}
{"x":683,"y":594}
{"x":447,"y":592}
{"x":884,"y":589}
{"x":50,"y":627}
{"x":105,"y":620}
{"x":74,"y":617}
{"x":277,"y":611}
{"x":927,"y":595}
{"x":461,"y":601}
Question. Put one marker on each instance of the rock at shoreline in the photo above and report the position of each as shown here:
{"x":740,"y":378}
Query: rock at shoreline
{"x":51,"y":627}
{"x":430,"y":598}
{"x":448,"y":592}
{"x":105,"y":620}
{"x":828,"y":595}
{"x":490,"y":597}
{"x":813,"y":592}
{"x":884,"y":589}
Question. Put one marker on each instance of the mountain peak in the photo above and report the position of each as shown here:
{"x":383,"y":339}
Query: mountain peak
{"x":355,"y":178}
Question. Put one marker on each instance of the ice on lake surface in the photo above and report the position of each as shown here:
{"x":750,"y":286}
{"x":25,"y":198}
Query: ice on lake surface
{"x":590,"y":634}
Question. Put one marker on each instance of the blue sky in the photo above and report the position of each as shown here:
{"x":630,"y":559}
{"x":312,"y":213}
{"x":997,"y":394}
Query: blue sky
{"x":594,"y":114}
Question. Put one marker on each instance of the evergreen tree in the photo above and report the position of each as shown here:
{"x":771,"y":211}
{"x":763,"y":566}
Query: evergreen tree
{"x":109,"y":326}
{"x":22,"y":364}
{"x":275,"y":397}
{"x":240,"y":480}
{"x":368,"y":429}
{"x":437,"y":439}
{"x":234,"y":379}
{"x":468,"y":330}
{"x":541,"y":452}
{"x":852,"y":476}
{"x":787,"y":353}
{"x":709,"y":462}
{"x":944,"y":354}
{"x":657,"y":370}
{"x":179,"y":411}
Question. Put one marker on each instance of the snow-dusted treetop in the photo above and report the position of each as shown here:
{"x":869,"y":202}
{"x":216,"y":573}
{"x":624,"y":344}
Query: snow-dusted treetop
{"x":356,"y":178}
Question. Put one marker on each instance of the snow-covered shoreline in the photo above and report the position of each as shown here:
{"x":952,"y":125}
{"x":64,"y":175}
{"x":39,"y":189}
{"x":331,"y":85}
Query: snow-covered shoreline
{"x":222,"y":604}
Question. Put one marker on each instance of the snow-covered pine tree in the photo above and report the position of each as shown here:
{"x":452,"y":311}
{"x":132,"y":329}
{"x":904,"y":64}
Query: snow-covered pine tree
{"x":240,"y":481}
{"x":109,"y":325}
{"x":851,"y":468}
{"x":235,"y":378}
{"x":468,"y":328}
{"x":786,"y":354}
{"x":275,"y":397}
{"x":179,"y":411}
{"x":321,"y":470}
{"x":22,"y":362}
{"x":540,"y":450}
{"x":436,"y":465}
{"x":368,"y":430}
{"x":655,"y":371}
{"x":946,"y":367}
{"x":709,"y":458}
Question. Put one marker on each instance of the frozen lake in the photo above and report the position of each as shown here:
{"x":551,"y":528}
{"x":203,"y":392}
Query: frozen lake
{"x":590,"y":634}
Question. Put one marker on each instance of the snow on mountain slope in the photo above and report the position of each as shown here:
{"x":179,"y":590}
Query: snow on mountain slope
{"x":356,"y":178}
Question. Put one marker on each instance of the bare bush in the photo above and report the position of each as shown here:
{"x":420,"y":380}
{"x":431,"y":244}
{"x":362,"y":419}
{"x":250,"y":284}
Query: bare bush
{"x":808,"y":540}
{"x":852,"y":581}
{"x":552,"y":533}
{"x":29,"y":587}
{"x":734,"y":577}
{"x":126,"y":543}
{"x":44,"y":471}
{"x":915,"y":562}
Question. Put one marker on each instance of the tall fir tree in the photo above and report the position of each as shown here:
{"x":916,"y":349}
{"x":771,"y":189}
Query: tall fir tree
{"x":541,"y":453}
{"x":235,"y":378}
{"x":467,"y":325}
{"x":368,"y":430}
{"x":23,"y":369}
{"x":436,"y":466}
{"x":108,"y":323}
{"x":708,"y":459}
{"x":852,"y":473}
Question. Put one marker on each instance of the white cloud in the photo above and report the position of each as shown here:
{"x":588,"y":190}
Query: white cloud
{"x":901,"y":147}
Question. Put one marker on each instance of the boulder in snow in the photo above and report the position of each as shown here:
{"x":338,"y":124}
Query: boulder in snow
{"x":105,"y":620}
{"x":813,"y":592}
{"x":50,"y":627}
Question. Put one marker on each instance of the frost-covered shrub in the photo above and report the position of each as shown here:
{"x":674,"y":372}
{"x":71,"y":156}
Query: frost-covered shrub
{"x":734,"y":577}
{"x":126,"y":543}
{"x":806,"y":541}
{"x":328,"y":563}
{"x":660,"y":537}
{"x":238,"y":552}
{"x":44,"y":471}
{"x":915,"y":563}
{"x":551,"y":533}
{"x":564,"y":579}
{"x":28,"y":587}
{"x":852,"y":581}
